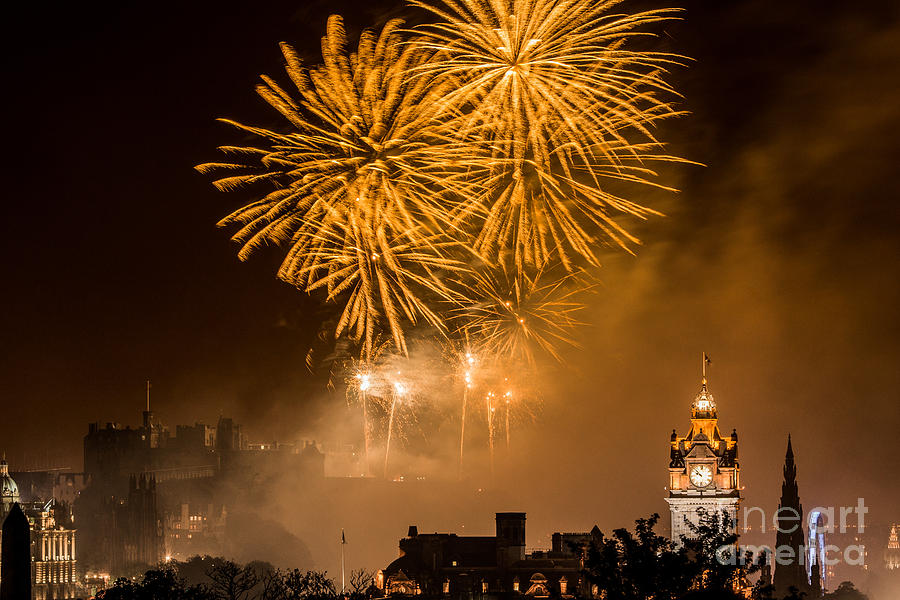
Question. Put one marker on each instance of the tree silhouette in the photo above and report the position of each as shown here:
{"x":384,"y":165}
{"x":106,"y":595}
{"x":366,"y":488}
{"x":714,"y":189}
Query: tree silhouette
{"x":157,"y":584}
{"x":230,"y":581}
{"x":639,"y":565}
{"x":713,"y":550}
{"x":846,"y":591}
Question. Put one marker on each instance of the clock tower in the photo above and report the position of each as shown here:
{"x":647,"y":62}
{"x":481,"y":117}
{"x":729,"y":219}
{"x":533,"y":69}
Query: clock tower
{"x":704,"y":473}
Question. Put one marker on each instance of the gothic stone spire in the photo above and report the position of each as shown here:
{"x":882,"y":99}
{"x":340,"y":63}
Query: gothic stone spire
{"x":790,"y":532}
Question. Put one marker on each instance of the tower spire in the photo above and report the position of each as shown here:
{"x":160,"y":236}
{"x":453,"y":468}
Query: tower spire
{"x":790,"y":530}
{"x":704,"y":406}
{"x":148,"y":395}
{"x":789,"y":485}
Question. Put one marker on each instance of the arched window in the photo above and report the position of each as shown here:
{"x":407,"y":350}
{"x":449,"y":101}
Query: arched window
{"x":538,"y":587}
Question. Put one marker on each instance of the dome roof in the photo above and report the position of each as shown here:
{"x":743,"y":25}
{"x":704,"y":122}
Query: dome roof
{"x":8,"y":487}
{"x":704,"y":405}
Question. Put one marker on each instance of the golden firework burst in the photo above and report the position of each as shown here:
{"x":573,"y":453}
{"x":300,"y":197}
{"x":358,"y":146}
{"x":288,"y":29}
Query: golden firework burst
{"x":356,"y":182}
{"x":560,"y":106}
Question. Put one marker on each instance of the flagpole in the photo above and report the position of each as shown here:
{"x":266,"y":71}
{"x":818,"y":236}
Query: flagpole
{"x":343,"y":580}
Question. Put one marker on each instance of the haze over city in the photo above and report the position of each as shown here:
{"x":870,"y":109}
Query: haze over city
{"x":777,"y":257}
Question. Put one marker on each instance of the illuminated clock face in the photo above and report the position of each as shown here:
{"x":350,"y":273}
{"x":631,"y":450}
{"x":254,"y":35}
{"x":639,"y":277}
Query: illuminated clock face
{"x":701,"y":476}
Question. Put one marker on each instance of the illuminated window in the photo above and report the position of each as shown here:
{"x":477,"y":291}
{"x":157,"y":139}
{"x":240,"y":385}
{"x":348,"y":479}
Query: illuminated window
{"x":446,"y":586}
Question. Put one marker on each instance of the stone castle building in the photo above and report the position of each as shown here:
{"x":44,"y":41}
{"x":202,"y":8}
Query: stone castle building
{"x":704,"y":471}
{"x":154,"y":495}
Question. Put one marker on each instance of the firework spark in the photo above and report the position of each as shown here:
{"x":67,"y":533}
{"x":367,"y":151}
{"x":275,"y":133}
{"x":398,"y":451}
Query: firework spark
{"x":561,"y":106}
{"x":516,"y":315}
{"x":355,"y":185}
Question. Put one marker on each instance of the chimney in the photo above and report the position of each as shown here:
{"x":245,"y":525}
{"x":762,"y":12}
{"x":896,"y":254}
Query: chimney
{"x":413,"y":531}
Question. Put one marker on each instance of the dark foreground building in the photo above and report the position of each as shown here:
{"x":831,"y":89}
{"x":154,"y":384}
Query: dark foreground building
{"x":445,"y":564}
{"x":15,"y":554}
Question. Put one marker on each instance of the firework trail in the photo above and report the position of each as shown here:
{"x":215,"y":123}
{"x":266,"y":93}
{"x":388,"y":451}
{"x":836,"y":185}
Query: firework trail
{"x":489,"y":400}
{"x":560,"y":105}
{"x":507,"y":397}
{"x":399,"y":391}
{"x":468,"y":364}
{"x":354,"y":186}
{"x":496,"y":378}
{"x":364,"y":384}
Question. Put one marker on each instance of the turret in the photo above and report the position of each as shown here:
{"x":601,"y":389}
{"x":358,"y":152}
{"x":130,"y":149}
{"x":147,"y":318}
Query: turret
{"x":9,"y":491}
{"x":510,"y":537}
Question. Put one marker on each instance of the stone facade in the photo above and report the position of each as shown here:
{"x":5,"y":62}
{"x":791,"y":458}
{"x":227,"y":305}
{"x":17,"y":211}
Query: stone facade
{"x":52,"y":543}
{"x":892,"y":552}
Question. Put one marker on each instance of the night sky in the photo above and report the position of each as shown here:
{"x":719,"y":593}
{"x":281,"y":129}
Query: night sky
{"x":779,"y":257}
